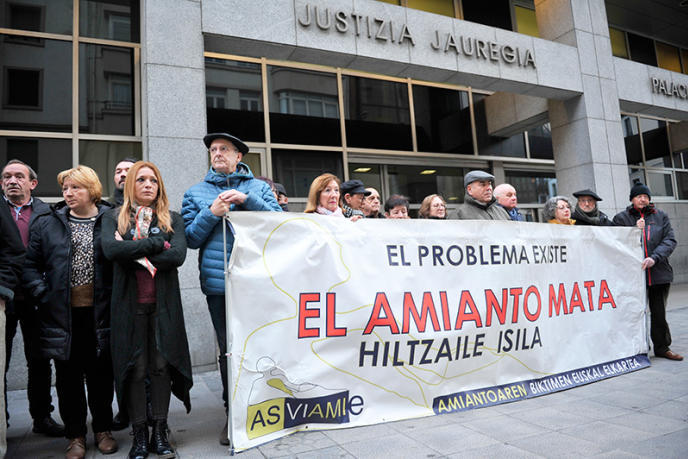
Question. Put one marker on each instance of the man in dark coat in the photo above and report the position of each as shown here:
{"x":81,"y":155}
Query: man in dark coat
{"x":11,"y":260}
{"x":121,"y":171}
{"x":479,"y":202}
{"x":658,"y":244}
{"x":18,"y":182}
{"x":586,"y":212}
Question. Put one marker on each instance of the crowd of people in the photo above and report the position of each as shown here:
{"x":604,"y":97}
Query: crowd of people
{"x":95,"y":288}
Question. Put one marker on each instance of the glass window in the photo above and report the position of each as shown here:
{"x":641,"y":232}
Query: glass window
{"x":416,"y":182}
{"x":660,"y":183}
{"x":234,"y":97}
{"x":634,"y":154}
{"x":540,"y":142}
{"x":642,"y":49}
{"x":47,"y":157}
{"x":656,"y":142}
{"x":377,"y":113}
{"x":678,"y":134}
{"x":682,"y":183}
{"x":443,"y":7}
{"x":369,"y":174}
{"x":52,"y":16}
{"x":296,"y":169}
{"x":304,"y":108}
{"x":106,"y":90}
{"x":37,"y":86}
{"x":684,"y":58}
{"x":103,"y":156}
{"x":636,"y":175}
{"x":532,"y":187}
{"x":525,"y":21}
{"x":495,"y":13}
{"x":443,"y":120}
{"x":618,"y":39}
{"x":668,"y":57}
{"x":488,"y":145}
{"x":109,"y":19}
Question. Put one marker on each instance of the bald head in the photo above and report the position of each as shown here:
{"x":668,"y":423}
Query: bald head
{"x":506,"y":196}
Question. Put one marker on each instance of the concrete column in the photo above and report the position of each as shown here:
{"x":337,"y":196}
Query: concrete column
{"x":587,"y":137}
{"x":174,"y":123}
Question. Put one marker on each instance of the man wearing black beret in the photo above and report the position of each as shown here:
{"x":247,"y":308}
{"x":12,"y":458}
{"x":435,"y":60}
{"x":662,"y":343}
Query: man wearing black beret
{"x":586,"y":212}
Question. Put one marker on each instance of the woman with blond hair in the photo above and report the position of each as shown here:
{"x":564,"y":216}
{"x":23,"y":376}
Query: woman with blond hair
{"x":68,"y":273}
{"x":434,"y":207}
{"x":323,"y":197}
{"x":146,"y":243}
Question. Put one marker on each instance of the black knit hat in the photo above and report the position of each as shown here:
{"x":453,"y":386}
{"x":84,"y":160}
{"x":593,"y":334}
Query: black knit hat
{"x":639,"y":188}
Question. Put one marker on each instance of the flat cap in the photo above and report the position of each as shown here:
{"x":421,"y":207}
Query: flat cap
{"x":241,"y":146}
{"x":473,"y":176}
{"x":587,"y":192}
{"x":280,"y":189}
{"x":354,"y":186}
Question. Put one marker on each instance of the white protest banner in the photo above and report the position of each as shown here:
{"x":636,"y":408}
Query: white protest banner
{"x":334,"y":323}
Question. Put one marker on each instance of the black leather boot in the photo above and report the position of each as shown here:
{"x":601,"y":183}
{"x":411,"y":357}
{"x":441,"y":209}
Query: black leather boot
{"x":159,"y":442}
{"x":139,"y":447}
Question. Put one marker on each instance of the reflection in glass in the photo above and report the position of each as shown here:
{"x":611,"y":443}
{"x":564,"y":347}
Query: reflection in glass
{"x":51,"y":16}
{"x":416,"y":182}
{"x":234,"y":99}
{"x":488,"y":145}
{"x":37,"y":86}
{"x":110,"y":19}
{"x":678,"y":134}
{"x":682,"y":184}
{"x":47,"y":157}
{"x":296,"y":169}
{"x":525,"y":21}
{"x":636,"y":175}
{"x":443,"y":120}
{"x":443,"y":7}
{"x":668,"y":57}
{"x":618,"y":39}
{"x":540,"y":142}
{"x":660,"y":183}
{"x":642,"y":49}
{"x":656,"y":142}
{"x":532,"y":187}
{"x":304,"y":108}
{"x":103,"y":156}
{"x":369,"y":174}
{"x":377,"y":113}
{"x":106,"y":90}
{"x":634,"y":154}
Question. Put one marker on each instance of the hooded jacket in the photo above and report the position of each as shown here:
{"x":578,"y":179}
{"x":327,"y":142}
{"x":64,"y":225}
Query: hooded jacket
{"x":47,"y":273}
{"x":658,"y":240}
{"x":204,"y":229}
{"x":472,"y":209}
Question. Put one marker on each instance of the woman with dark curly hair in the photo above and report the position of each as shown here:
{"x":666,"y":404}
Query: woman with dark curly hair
{"x":558,"y":210}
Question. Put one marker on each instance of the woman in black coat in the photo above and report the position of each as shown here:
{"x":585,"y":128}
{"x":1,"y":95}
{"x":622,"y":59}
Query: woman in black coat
{"x":147,"y":244}
{"x":67,"y":273}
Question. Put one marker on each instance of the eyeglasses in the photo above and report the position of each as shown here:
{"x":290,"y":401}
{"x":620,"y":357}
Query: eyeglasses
{"x":222,"y":148}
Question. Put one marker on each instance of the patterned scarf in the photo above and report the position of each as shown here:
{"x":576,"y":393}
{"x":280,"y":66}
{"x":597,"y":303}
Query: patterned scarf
{"x":143,"y":216}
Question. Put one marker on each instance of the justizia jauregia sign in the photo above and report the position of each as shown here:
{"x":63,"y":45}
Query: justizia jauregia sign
{"x":387,"y":31}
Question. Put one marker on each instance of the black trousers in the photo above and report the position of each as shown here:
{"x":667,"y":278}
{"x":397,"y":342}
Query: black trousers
{"x":218,"y":315}
{"x":659,"y":328}
{"x":39,"y":370}
{"x":84,"y":363}
{"x":151,"y":363}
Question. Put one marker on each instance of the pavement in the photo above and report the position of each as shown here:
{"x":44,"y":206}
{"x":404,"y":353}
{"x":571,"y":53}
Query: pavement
{"x":640,"y":414}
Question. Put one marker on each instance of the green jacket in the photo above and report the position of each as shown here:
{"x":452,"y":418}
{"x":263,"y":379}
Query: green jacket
{"x":475,"y":210}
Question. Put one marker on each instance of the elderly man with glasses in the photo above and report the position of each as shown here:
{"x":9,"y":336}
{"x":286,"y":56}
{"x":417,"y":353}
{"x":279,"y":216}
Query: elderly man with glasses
{"x":586,"y":211}
{"x":229,"y":186}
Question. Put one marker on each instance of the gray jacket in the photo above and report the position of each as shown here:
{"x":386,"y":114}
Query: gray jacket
{"x":475,"y":210}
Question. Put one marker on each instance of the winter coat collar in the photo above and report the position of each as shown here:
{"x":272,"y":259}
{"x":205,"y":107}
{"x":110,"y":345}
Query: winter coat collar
{"x":468,"y":199}
{"x":242,"y":172}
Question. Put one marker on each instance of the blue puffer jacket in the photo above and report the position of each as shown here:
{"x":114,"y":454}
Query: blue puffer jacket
{"x":203,"y":229}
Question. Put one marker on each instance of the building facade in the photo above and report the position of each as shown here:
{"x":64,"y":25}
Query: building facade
{"x":550,"y":95}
